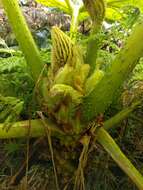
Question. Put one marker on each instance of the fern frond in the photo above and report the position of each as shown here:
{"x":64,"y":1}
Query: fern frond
{"x":15,"y":79}
{"x":10,"y":109}
{"x":12,"y":64}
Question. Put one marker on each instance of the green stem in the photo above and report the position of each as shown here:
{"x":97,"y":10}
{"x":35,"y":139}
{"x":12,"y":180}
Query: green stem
{"x":120,"y":116}
{"x":69,"y":4}
{"x":112,"y":148}
{"x":74,"y":22}
{"x":20,"y":129}
{"x":92,"y":50}
{"x":23,"y":36}
{"x":109,"y":86}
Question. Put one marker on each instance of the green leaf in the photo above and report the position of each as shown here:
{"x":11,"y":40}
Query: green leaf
{"x":120,"y":3}
{"x":83,"y":15}
{"x":112,"y":7}
{"x":10,"y":109}
{"x":60,"y":4}
{"x":113,"y":14}
{"x":116,"y":5}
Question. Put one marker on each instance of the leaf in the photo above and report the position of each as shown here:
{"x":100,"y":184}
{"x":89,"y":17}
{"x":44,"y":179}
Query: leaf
{"x":60,"y":4}
{"x":12,"y":64}
{"x":120,"y":3}
{"x":15,"y":78}
{"x":10,"y":109}
{"x":113,"y":14}
{"x":114,"y":7}
{"x":83,"y":16}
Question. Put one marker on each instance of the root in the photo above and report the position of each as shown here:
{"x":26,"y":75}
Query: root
{"x":79,"y":178}
{"x":48,"y":134}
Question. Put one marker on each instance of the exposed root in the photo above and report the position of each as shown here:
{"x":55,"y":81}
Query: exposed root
{"x":79,"y":178}
{"x":88,"y":141}
{"x":48,"y":134}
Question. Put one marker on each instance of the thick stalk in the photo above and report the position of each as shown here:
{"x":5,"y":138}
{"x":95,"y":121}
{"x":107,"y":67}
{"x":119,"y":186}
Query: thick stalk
{"x":20,"y":129}
{"x":23,"y":36}
{"x":113,"y":149}
{"x":109,"y":86}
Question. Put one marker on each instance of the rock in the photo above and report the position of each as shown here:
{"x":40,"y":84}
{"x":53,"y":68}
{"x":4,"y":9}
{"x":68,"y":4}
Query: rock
{"x":39,"y":19}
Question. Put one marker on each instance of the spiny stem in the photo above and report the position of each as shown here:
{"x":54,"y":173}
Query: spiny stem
{"x":109,"y":87}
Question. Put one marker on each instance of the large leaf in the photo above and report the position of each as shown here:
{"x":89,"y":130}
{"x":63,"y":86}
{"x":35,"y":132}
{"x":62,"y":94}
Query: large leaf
{"x":120,"y":3}
{"x":112,"y":9}
{"x":60,"y":4}
{"x":113,"y":14}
